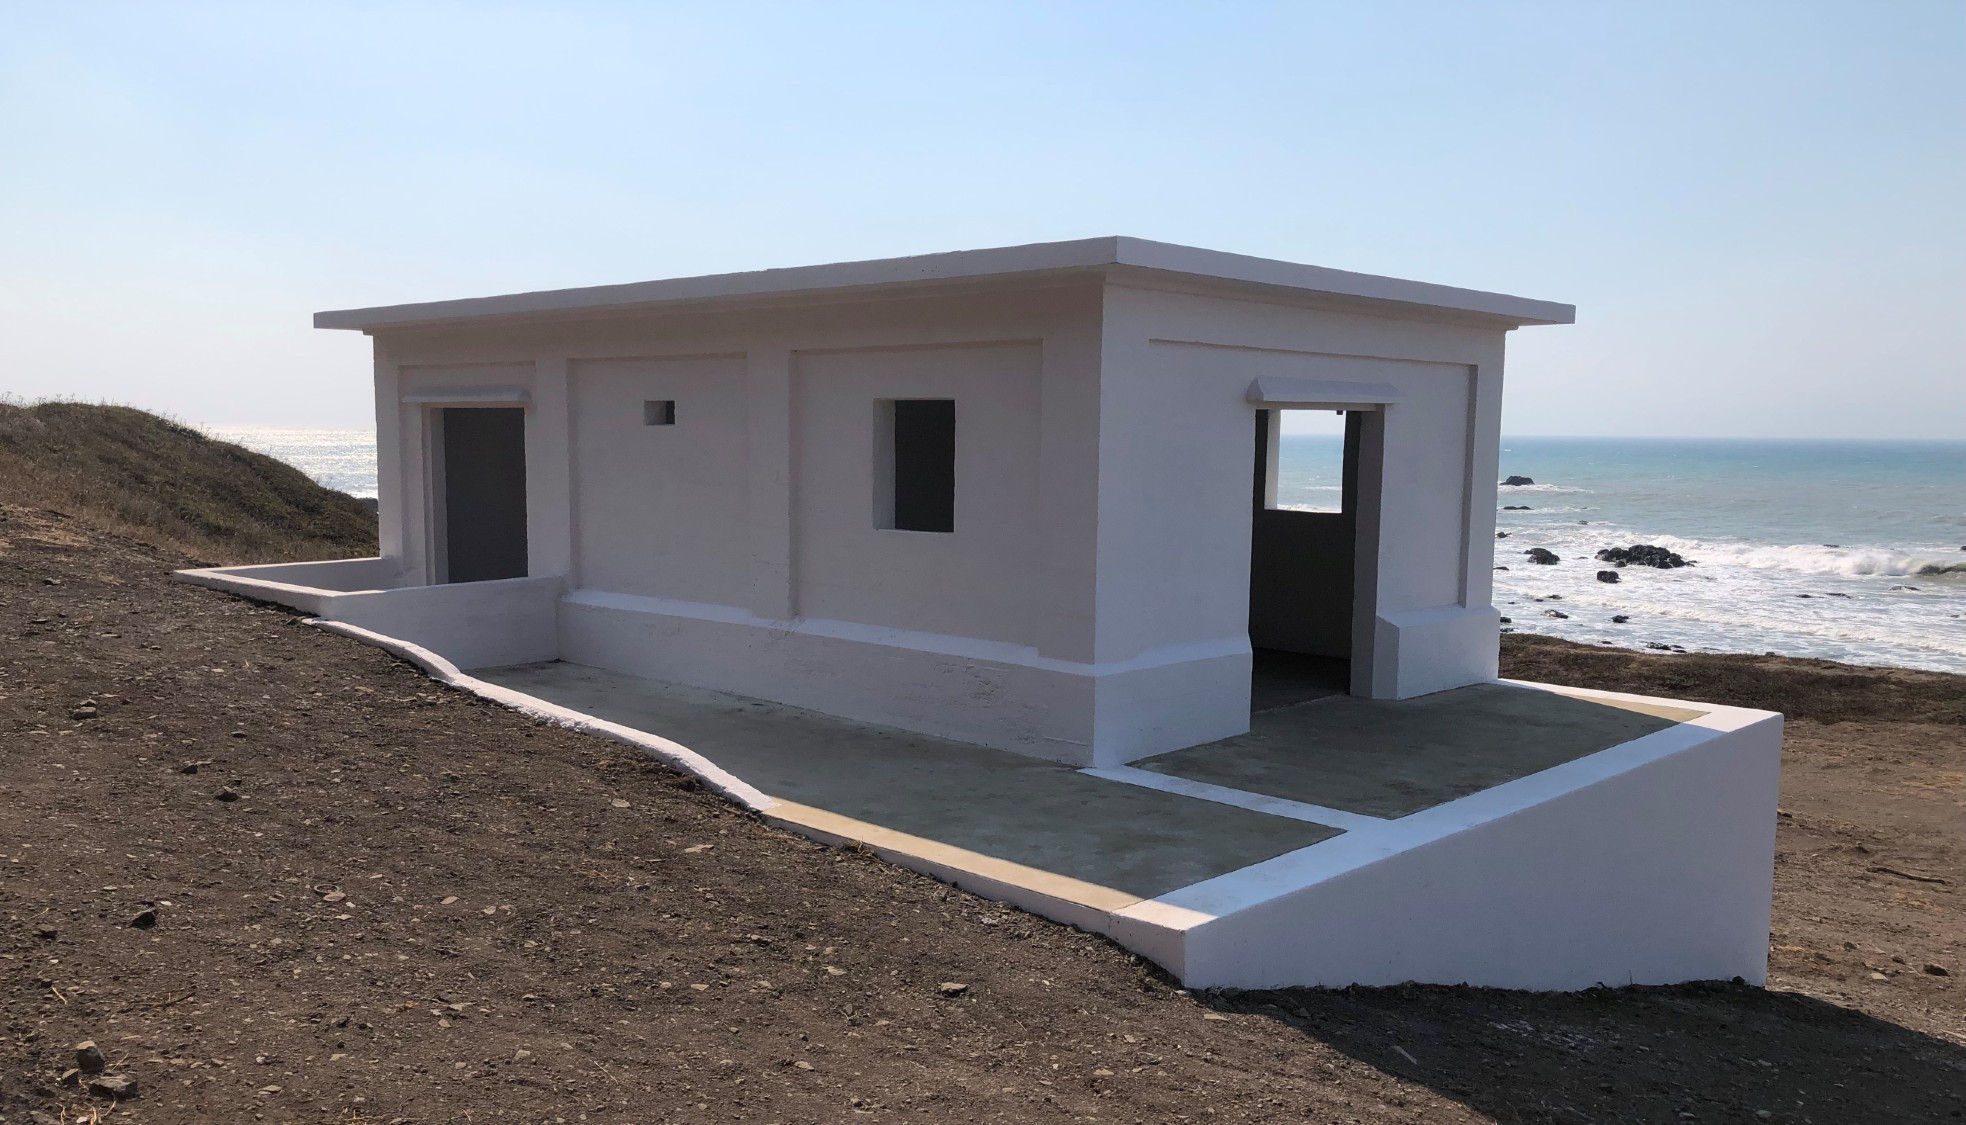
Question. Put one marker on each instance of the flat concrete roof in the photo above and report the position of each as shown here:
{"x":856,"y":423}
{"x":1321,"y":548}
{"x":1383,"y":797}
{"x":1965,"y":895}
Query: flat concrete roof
{"x":1118,"y":258}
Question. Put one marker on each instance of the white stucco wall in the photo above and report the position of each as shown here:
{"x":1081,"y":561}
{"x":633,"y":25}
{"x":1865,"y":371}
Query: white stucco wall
{"x":413,"y":519}
{"x":1174,"y":543}
{"x":753,"y":367}
{"x":660,"y":511}
{"x":1101,"y":551}
{"x":972,"y":582}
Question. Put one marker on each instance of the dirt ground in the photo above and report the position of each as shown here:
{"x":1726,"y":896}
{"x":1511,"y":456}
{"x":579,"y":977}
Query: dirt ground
{"x":279,"y":876}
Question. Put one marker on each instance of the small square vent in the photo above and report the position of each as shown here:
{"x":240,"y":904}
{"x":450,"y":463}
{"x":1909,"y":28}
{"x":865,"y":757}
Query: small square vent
{"x":659,"y":412}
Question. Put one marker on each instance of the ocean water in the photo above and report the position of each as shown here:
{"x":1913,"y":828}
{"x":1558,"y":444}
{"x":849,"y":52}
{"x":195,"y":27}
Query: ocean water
{"x":343,"y":459}
{"x":1870,"y":532}
{"x":1843,"y":550}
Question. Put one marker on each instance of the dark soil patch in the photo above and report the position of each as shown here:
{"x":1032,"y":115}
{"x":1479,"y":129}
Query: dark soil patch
{"x":423,"y":908}
{"x":1819,"y":690}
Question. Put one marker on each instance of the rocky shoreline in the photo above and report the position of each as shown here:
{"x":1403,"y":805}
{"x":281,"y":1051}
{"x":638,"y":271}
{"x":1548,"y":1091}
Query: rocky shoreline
{"x":1867,"y":605}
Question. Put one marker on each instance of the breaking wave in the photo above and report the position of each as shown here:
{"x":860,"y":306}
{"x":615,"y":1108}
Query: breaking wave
{"x":1556,"y":511}
{"x":1822,"y":559}
{"x":1765,"y":619}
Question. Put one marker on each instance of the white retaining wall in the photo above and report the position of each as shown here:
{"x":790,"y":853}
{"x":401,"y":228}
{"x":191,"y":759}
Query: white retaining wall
{"x":470,"y":624}
{"x":307,"y":586}
{"x":473,"y":624}
{"x":1649,"y":863}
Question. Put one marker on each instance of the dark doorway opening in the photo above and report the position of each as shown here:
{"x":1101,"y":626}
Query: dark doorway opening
{"x":1303,"y":553}
{"x":483,"y":535}
{"x":1279,"y":679}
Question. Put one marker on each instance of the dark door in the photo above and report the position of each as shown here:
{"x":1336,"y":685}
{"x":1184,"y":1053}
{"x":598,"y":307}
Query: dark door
{"x":484,"y":493}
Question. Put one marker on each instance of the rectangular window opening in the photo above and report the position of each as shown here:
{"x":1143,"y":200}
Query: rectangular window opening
{"x":916,"y":471}
{"x":659,"y":412}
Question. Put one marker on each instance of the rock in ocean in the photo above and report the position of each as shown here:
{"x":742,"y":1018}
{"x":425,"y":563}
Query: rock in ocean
{"x":1518,"y":482}
{"x":1642,"y":554}
{"x":1542,"y":556}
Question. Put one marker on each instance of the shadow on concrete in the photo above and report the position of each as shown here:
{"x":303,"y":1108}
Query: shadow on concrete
{"x":1699,"y":1052}
{"x":1280,"y":679}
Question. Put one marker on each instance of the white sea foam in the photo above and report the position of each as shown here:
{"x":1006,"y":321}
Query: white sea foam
{"x":1885,"y":584}
{"x":1853,"y":603}
{"x":1760,"y":616}
{"x":1814,"y":559}
{"x":1558,"y":511}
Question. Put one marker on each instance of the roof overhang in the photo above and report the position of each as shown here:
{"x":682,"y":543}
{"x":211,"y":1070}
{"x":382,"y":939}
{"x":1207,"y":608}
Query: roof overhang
{"x":1128,"y":260}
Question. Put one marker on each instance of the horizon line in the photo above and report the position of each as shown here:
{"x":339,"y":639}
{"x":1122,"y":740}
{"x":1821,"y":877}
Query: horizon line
{"x":1505,"y":436}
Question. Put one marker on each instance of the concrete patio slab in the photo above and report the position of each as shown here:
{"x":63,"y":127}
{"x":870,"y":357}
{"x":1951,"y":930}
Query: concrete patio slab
{"x":1388,"y":758}
{"x":1523,"y":850}
{"x":1097,"y":833}
{"x":1554,"y":879}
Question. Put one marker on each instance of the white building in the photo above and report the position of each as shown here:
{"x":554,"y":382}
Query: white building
{"x":1002,"y":496}
{"x":1024,"y":498}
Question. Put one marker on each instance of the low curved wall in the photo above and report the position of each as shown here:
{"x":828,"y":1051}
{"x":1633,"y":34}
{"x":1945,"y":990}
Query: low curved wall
{"x":473,"y":624}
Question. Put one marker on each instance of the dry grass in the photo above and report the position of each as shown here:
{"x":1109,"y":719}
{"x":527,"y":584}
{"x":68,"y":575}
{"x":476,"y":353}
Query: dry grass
{"x":167,"y":485}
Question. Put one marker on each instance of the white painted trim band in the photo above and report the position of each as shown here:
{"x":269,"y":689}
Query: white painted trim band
{"x":941,"y":644}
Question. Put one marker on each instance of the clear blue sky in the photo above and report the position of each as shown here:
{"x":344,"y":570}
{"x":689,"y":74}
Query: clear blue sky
{"x":1760,"y":209}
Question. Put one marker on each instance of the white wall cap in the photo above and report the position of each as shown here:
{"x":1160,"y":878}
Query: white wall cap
{"x":1043,"y":261}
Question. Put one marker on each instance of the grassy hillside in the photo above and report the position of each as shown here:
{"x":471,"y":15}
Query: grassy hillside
{"x":168,"y":485}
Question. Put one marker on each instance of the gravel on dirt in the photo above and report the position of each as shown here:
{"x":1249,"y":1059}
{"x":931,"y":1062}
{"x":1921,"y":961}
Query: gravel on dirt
{"x":420,"y":907}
